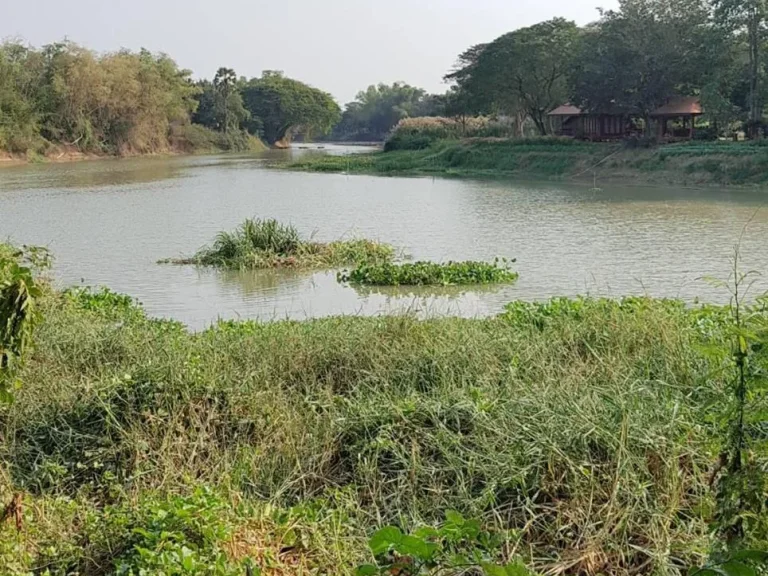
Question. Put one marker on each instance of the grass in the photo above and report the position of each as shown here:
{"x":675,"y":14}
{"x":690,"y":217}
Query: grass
{"x":430,"y":274}
{"x":578,"y":431}
{"x":690,"y":163}
{"x":270,"y":244}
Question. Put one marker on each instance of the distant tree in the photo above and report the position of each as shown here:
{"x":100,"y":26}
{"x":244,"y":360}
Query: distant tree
{"x":376,"y":110}
{"x":205,"y":112}
{"x":749,"y":17}
{"x":460,"y":104}
{"x":525,"y":69}
{"x":228,"y":110}
{"x":285,"y":106}
{"x":19,"y":116}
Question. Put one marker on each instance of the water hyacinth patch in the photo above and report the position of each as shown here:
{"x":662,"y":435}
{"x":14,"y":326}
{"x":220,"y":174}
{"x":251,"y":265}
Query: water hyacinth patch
{"x":430,"y":273}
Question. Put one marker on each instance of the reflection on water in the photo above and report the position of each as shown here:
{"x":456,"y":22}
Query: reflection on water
{"x":264,"y":283}
{"x":90,"y":173}
{"x":426,"y":292}
{"x":108,"y":222}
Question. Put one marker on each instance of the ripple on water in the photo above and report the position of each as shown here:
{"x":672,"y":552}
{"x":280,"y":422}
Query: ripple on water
{"x":108,"y":222}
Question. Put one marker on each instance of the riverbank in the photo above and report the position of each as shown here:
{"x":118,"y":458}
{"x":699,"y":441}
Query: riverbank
{"x":192,"y":140}
{"x":573,"y":431}
{"x":690,"y":163}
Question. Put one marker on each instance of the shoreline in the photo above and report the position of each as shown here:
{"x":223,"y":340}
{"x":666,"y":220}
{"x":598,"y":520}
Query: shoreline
{"x":8,"y":159}
{"x":690,"y":164}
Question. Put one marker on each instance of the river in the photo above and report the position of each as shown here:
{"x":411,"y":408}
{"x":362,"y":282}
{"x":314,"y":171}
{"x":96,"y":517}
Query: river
{"x":107,"y":222}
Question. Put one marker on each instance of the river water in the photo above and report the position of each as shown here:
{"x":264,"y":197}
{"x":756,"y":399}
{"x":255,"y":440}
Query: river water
{"x":108,"y":222}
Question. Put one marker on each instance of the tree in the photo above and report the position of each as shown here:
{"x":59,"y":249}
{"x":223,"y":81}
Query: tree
{"x":750,"y":16}
{"x":19,"y":119}
{"x":286,"y":106}
{"x":525,"y":69}
{"x":376,"y":110}
{"x":634,"y":59}
{"x":228,"y":110}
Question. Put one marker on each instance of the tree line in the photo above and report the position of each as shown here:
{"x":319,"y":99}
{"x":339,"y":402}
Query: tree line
{"x":138,"y":102}
{"x":632,"y":60}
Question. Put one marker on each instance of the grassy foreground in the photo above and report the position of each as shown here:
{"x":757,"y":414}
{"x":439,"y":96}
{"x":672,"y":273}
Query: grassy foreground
{"x":563,"y":159}
{"x":580,"y":432}
{"x":269,"y":244}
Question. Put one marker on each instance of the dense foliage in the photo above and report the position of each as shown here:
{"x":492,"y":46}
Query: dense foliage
{"x":578,"y":434}
{"x":285,"y":107}
{"x":122,"y":102}
{"x":376,"y":110}
{"x":429,"y":273}
{"x":19,"y":294}
{"x":64,"y":98}
{"x":632,"y":60}
{"x":635,"y":58}
{"x":270,"y":244}
{"x":524,"y":70}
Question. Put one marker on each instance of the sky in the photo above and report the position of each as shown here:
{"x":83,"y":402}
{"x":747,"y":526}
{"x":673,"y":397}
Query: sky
{"x":341,"y":46}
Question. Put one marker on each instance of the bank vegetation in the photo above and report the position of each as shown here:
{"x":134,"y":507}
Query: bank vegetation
{"x":577,"y":437}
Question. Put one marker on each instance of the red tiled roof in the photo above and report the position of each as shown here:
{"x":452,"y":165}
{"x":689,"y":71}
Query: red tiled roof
{"x":680,"y":106}
{"x":566,"y":110}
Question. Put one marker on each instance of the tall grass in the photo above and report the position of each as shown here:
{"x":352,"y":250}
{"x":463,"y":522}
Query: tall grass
{"x":579,"y":429}
{"x":270,"y":244}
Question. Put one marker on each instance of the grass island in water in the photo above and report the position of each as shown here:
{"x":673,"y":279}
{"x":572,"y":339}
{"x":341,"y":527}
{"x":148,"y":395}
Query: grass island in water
{"x":430,"y":273}
{"x":259,"y":244}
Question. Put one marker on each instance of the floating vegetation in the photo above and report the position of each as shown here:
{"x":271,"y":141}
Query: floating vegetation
{"x":430,"y":273}
{"x":259,"y":244}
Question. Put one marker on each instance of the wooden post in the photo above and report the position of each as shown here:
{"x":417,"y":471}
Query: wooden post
{"x":693,"y":121}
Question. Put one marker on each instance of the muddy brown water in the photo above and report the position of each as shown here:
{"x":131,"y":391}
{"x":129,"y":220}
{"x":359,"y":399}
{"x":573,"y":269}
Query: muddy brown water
{"x":109,"y":221}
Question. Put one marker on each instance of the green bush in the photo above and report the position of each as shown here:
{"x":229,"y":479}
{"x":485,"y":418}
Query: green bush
{"x":197,"y":138}
{"x":269,"y":244}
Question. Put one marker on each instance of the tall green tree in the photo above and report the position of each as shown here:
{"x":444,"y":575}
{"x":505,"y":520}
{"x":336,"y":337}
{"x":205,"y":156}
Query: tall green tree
{"x":228,"y":110}
{"x":637,"y":57}
{"x":525,"y":69}
{"x":748,"y":17}
{"x":286,"y":106}
{"x":19,"y":118}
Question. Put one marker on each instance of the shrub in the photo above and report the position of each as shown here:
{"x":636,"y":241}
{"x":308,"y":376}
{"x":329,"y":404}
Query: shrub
{"x":269,"y":244}
{"x":420,"y":133}
{"x":197,"y":138}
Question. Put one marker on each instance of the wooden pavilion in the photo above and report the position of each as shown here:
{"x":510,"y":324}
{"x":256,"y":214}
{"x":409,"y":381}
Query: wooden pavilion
{"x":684,"y":110}
{"x":571,"y":121}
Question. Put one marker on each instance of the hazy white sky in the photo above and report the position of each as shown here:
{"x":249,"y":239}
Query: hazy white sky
{"x":341,"y":46}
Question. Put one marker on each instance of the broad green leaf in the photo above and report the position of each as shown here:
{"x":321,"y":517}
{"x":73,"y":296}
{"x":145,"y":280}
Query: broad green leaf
{"x":425,"y":532}
{"x":366,"y":570}
{"x":454,"y":517}
{"x":517,"y":568}
{"x":412,"y":546}
{"x":493,"y":570}
{"x":735,"y":568}
{"x":753,"y":555}
{"x":471,"y":528}
{"x":384,"y":538}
